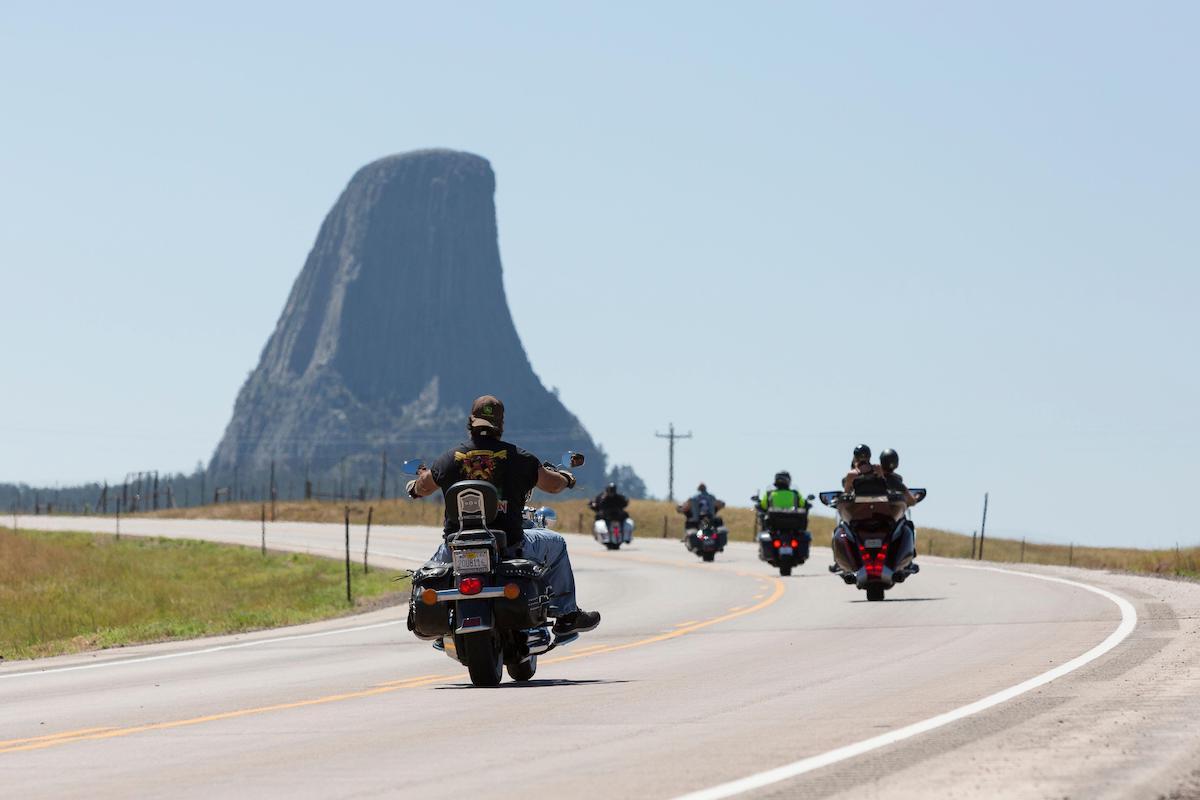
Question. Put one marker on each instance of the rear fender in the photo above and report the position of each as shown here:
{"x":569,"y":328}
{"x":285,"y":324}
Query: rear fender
{"x":473,"y":616}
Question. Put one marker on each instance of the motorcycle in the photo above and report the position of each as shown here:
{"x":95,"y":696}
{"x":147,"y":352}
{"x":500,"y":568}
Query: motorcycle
{"x":707,"y":540}
{"x":784,"y":539}
{"x":874,"y":543}
{"x":488,"y":607}
{"x":613,"y":532}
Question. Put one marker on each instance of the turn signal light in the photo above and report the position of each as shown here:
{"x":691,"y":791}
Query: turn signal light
{"x":429,"y":597}
{"x":512,"y":591}
{"x":470,"y":586}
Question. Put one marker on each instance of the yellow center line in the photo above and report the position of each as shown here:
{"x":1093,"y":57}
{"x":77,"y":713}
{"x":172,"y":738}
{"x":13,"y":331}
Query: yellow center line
{"x":50,"y":736}
{"x":736,"y":608}
{"x":67,"y":737}
{"x":687,"y":622}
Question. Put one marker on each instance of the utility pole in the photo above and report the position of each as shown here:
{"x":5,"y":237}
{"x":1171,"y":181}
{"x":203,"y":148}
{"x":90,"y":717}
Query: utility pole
{"x":983,"y":525}
{"x":382,"y":484}
{"x":671,"y":436}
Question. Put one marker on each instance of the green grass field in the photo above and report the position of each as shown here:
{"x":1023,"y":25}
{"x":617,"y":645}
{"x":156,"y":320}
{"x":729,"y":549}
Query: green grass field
{"x":654,"y":518}
{"x":68,"y":592}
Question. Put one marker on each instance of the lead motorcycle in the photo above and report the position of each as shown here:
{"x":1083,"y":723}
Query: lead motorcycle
{"x":488,"y":607}
{"x":874,"y":543}
{"x":613,"y":530}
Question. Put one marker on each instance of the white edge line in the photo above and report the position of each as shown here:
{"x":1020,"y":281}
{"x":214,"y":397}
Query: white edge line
{"x":1129,"y":620}
{"x":205,"y":651}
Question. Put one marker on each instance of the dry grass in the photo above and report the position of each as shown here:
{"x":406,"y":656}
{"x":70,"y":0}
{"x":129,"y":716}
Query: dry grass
{"x":68,"y":592}
{"x":652,"y":517}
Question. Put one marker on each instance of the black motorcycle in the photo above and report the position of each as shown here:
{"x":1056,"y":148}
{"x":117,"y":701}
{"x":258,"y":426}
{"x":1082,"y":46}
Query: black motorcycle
{"x":488,"y":607}
{"x":874,"y":543}
{"x":708,"y":539}
{"x":784,"y":539}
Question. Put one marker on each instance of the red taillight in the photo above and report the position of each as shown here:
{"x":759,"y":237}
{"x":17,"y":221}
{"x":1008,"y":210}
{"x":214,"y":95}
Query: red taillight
{"x":873,"y":563}
{"x":795,"y":543}
{"x":470,"y":586}
{"x":778,"y":544}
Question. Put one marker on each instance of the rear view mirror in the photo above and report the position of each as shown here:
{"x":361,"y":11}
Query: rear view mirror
{"x":828,"y":498}
{"x":918,"y":494}
{"x":412,"y":466}
{"x":810,"y":498}
{"x":572,"y":459}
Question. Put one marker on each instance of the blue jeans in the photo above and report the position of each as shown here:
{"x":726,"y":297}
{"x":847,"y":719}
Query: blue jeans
{"x":550,"y":549}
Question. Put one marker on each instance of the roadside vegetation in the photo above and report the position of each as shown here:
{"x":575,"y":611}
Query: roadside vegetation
{"x":69,"y":592}
{"x":658,"y":519}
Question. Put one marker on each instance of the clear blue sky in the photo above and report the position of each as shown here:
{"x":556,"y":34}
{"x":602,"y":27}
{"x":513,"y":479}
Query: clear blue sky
{"x":966,"y":231}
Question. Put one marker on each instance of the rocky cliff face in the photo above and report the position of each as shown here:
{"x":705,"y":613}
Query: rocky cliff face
{"x":396,"y":323}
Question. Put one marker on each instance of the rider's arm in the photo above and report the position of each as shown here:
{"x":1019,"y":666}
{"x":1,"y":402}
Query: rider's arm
{"x":720,"y":504}
{"x":553,"y":480}
{"x":424,"y":485}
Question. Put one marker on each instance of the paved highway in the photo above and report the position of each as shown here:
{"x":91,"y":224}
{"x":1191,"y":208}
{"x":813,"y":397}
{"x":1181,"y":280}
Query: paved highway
{"x":713,"y":680}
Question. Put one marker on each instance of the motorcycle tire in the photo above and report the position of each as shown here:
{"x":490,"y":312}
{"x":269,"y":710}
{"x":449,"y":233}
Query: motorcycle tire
{"x":613,"y":545}
{"x":523,"y":670}
{"x":875,"y":592}
{"x":708,"y":556}
{"x":484,"y":657}
{"x":785,"y":571}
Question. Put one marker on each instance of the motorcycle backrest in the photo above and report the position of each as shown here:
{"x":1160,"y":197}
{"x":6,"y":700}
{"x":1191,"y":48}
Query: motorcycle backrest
{"x":870,"y":486}
{"x":472,"y":504}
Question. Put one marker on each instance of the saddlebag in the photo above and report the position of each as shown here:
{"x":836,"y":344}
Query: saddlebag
{"x":430,"y":622}
{"x":529,"y":609}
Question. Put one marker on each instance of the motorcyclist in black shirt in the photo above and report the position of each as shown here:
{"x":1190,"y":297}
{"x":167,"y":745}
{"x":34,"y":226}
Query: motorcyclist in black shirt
{"x":514,"y":473}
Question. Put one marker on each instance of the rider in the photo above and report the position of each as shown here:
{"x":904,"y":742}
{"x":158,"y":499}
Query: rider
{"x":700,"y":505}
{"x":610,"y":505}
{"x":782,"y":497}
{"x":514,"y":473}
{"x":888,"y":461}
{"x":860,"y":466}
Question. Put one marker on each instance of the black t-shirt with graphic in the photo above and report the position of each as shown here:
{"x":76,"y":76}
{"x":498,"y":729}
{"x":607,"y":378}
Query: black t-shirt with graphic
{"x":513,"y":472}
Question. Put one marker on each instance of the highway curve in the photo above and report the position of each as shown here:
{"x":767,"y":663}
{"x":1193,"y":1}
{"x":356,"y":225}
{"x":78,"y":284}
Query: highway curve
{"x":713,"y":679}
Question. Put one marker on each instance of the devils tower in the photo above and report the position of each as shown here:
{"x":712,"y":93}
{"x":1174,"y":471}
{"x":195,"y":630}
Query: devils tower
{"x":396,"y":323}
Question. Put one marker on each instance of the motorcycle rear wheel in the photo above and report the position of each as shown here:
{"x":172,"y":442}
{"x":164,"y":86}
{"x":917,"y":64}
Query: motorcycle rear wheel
{"x":875,"y":592}
{"x":523,"y":670}
{"x":484,"y":657}
{"x":785,"y":571}
{"x":708,"y":556}
{"x":613,"y":545}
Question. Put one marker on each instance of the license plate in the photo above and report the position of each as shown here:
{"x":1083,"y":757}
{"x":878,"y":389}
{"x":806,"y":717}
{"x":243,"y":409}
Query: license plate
{"x":873,"y":543}
{"x":469,"y":561}
{"x":785,"y":551}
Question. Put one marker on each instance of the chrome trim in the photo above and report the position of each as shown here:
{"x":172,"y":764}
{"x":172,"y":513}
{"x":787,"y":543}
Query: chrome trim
{"x":486,"y":593}
{"x":474,"y":629}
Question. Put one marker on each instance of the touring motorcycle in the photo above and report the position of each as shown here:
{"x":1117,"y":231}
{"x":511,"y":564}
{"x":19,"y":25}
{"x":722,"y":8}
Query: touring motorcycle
{"x":614,"y":531}
{"x":874,"y":543}
{"x":488,"y":607}
{"x":784,"y":539}
{"x":707,"y":540}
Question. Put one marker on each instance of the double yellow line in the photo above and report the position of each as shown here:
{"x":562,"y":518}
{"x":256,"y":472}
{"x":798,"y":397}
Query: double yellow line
{"x":93,"y":734}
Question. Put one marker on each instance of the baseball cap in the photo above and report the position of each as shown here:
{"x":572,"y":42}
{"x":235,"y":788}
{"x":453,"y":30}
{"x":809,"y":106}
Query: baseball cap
{"x":487,"y":412}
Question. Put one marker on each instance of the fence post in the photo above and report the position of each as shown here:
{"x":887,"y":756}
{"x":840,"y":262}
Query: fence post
{"x":1022,"y":549}
{"x":367,"y":543}
{"x":1071,"y":554}
{"x":664,"y":526}
{"x":973,"y":535}
{"x":349,"y":597}
{"x":264,"y":528}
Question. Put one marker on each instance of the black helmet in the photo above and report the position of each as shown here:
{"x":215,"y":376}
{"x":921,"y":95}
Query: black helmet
{"x":783,"y":479}
{"x":889,"y":459}
{"x":610,"y":489}
{"x":701,"y":488}
{"x":862,"y":452}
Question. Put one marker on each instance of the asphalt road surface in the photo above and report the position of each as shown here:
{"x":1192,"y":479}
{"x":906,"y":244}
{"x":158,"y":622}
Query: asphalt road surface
{"x":713,"y":680}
